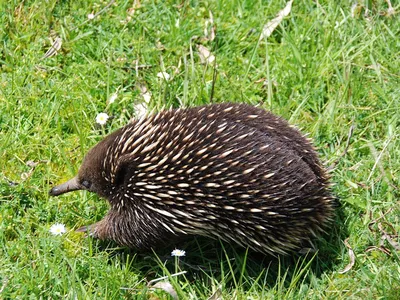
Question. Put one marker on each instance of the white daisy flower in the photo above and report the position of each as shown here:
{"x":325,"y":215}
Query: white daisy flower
{"x":58,"y":229}
{"x":163,"y":75}
{"x":178,"y":252}
{"x":90,"y":16}
{"x":102,"y":118}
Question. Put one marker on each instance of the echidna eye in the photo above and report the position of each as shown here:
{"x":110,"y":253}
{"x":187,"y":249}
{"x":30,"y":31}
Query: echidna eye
{"x":86,"y":183}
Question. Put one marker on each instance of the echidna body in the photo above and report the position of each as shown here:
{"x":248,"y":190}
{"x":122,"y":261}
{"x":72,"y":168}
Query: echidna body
{"x":228,"y":171}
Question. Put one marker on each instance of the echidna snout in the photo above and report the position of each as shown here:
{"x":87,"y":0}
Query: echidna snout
{"x":228,"y":171}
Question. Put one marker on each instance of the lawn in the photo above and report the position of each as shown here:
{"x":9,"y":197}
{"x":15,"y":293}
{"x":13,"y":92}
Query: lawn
{"x":332,"y":68}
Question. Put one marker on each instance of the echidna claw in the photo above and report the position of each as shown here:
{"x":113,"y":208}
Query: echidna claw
{"x":89,"y":230}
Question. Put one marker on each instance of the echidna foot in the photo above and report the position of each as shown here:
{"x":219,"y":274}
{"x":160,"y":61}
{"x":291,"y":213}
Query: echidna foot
{"x":89,"y":230}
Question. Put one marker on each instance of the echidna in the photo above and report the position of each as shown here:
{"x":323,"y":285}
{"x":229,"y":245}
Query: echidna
{"x":228,"y":171}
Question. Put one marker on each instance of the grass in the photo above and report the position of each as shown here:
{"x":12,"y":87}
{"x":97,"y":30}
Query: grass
{"x":322,"y":69}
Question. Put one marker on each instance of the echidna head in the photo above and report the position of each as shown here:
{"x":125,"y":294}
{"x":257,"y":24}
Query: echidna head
{"x":90,"y":176}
